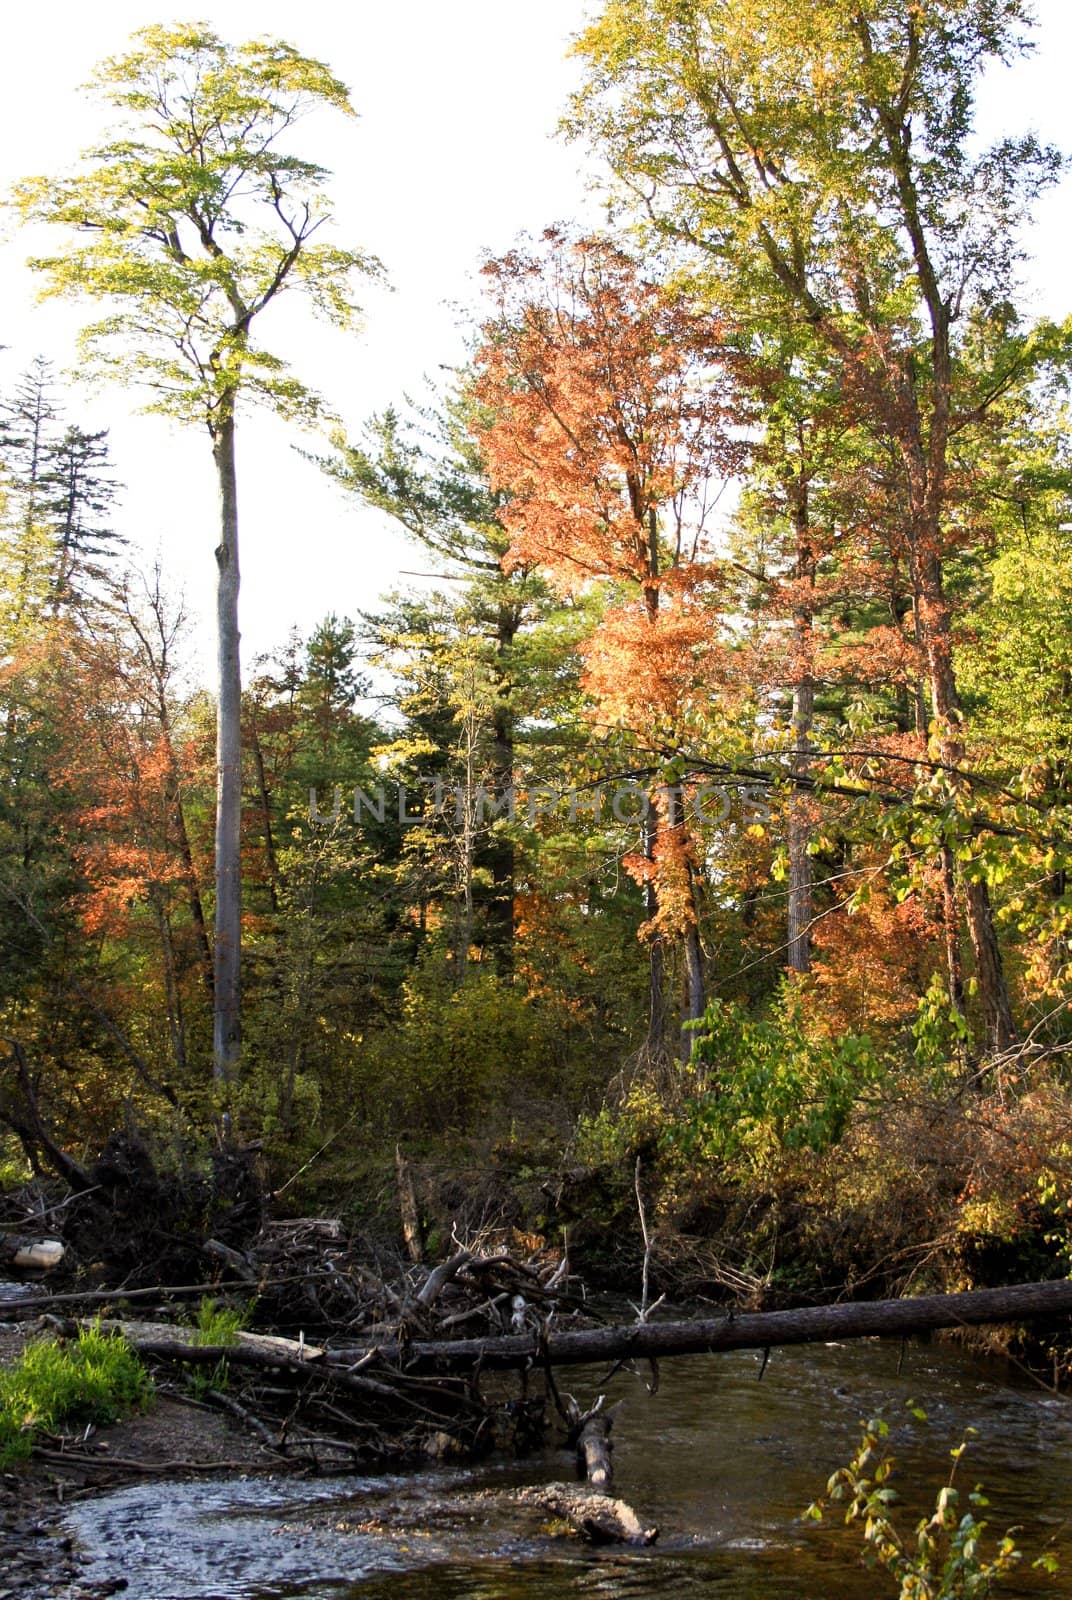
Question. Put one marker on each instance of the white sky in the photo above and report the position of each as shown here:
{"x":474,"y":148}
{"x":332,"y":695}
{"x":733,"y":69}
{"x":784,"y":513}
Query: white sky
{"x":453,"y":154}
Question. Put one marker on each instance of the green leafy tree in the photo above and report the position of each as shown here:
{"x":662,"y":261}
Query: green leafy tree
{"x":816,"y":165}
{"x":427,"y":472}
{"x":56,"y":527}
{"x":188,"y":222}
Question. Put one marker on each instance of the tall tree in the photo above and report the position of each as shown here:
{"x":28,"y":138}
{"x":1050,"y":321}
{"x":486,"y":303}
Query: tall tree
{"x":27,"y":424}
{"x":78,"y":495}
{"x":62,"y":488}
{"x":428,"y":473}
{"x":607,"y":423}
{"x":817,"y":163}
{"x":189,"y":222}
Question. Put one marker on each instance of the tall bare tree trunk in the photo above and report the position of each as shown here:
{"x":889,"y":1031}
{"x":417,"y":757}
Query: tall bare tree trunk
{"x":801,"y":871}
{"x":227,"y":1024}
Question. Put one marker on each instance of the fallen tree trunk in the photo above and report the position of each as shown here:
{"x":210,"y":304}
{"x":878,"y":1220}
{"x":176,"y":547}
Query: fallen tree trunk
{"x":596,"y":1517}
{"x":263,"y":1349}
{"x":853,"y":1319}
{"x":163,"y":1343}
{"x":303,"y":1363}
{"x":332,"y":1416}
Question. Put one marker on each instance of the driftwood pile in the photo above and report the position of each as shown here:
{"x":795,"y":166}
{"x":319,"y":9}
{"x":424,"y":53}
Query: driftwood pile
{"x":310,"y":1402}
{"x":129,"y":1242}
{"x":338,"y":1410}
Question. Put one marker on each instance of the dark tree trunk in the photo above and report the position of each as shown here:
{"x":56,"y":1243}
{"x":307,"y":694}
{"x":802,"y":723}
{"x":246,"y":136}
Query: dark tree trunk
{"x":656,"y":1044}
{"x":693,"y":987}
{"x":951,"y":925}
{"x":176,"y":1022}
{"x":933,"y":613}
{"x":761,"y":1330}
{"x":500,"y":855}
{"x":993,"y":990}
{"x":266,"y":822}
{"x":182,"y":836}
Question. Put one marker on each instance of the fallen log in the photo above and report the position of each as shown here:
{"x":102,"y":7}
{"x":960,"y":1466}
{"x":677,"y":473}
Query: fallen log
{"x":852,"y":1319}
{"x":596,"y":1517}
{"x":263,"y":1348}
{"x":400,"y":1392}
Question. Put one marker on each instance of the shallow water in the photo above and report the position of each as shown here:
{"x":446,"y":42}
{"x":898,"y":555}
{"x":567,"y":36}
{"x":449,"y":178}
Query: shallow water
{"x":723,"y":1463}
{"x":15,"y":1291}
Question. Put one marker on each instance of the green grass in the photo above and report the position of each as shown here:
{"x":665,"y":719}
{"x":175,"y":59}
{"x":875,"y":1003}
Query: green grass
{"x":216,"y":1325}
{"x":96,"y":1378}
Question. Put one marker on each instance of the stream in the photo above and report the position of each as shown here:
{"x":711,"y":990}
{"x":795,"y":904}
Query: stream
{"x":722,"y":1462}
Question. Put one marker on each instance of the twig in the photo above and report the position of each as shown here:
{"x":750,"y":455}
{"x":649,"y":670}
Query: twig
{"x":475,"y":1311}
{"x":86,"y":1458}
{"x":240,"y":1411}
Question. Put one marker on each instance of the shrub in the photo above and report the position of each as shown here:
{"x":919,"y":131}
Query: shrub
{"x":217,"y":1324}
{"x":98,"y":1378}
{"x":942,"y":1558}
{"x":771,"y":1085}
{"x":455,"y":1055}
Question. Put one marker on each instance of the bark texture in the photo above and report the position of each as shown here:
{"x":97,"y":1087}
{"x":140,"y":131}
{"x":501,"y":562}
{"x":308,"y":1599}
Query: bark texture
{"x":750,"y":1331}
{"x":227,"y":1024}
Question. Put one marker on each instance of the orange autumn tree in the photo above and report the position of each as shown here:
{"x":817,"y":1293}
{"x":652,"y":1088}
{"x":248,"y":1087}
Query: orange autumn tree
{"x":606,"y":423}
{"x":133,"y":769}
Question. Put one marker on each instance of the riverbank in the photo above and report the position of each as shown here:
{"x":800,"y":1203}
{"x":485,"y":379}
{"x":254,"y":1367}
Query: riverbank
{"x":39,"y":1559}
{"x":172,"y":1439}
